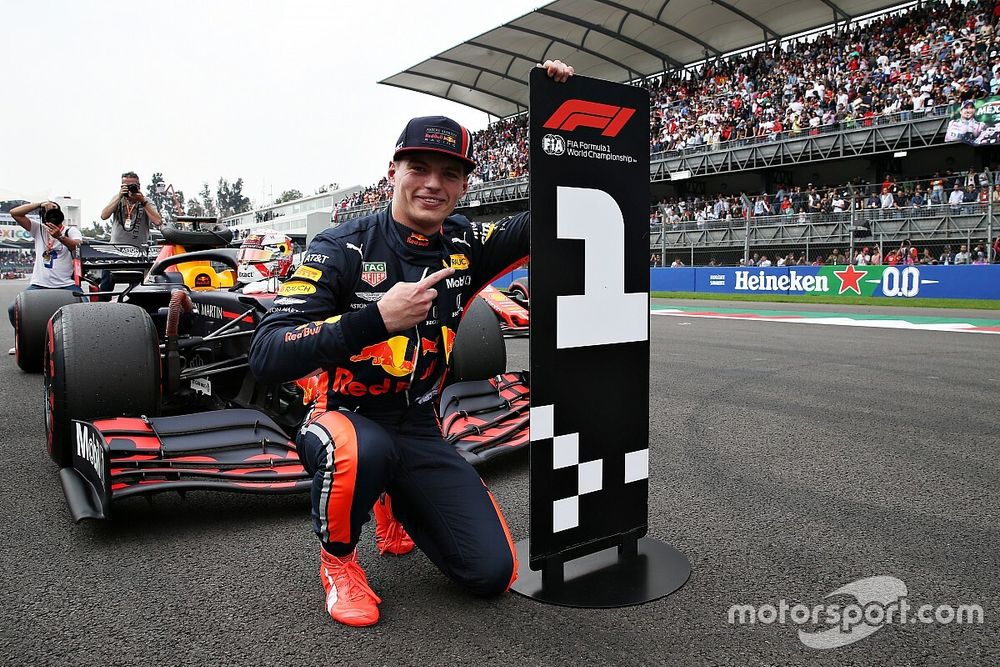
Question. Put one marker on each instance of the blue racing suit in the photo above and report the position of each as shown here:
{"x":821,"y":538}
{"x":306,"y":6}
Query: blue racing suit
{"x":372,"y":428}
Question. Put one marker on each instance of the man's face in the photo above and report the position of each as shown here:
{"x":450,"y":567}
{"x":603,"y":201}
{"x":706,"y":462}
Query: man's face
{"x":968,"y":112}
{"x":426,"y":188}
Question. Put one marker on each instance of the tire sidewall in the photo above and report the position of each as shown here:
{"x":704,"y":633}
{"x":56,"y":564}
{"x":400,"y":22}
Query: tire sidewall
{"x":79,"y":360}
{"x":32,"y":311}
{"x":57,"y":423}
{"x":479,"y":352}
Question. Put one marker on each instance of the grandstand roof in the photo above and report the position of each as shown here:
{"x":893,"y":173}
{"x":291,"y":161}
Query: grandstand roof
{"x":618,"y":40}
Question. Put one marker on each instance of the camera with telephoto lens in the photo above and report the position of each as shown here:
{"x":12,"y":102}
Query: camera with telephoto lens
{"x":133,"y":188}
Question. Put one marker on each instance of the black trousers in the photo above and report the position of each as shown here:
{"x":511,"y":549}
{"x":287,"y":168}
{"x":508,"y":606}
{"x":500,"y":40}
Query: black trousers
{"x":436,"y":494}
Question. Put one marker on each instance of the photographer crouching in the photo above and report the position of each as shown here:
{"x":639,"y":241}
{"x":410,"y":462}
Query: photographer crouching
{"x":131,"y":215}
{"x":54,"y":246}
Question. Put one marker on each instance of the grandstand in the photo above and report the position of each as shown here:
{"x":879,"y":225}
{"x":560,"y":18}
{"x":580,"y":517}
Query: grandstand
{"x":753,"y":104}
{"x":293,"y":218}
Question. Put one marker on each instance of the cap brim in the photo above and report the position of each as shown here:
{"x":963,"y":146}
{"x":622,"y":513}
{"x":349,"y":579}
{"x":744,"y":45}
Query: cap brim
{"x":469,"y":164}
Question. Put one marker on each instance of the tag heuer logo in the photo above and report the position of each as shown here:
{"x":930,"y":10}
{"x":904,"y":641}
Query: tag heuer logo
{"x":373,"y":273}
{"x":553,"y":144}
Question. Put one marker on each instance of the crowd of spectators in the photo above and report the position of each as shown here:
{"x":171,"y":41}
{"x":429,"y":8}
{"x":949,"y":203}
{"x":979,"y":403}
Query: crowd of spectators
{"x":502,"y":151}
{"x":904,"y":64}
{"x":16,"y":263}
{"x":960,"y":192}
{"x":907,"y":254}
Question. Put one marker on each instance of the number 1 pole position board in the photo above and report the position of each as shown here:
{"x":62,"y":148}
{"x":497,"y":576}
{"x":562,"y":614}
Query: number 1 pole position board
{"x":589,"y":165}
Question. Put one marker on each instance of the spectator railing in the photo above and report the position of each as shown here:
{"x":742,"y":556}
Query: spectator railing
{"x":946,"y":213}
{"x":804,"y":148}
{"x":899,"y":117}
{"x":728,"y":241}
{"x":492,"y":192}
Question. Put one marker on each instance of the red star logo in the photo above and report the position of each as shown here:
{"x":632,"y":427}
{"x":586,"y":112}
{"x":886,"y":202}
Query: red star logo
{"x":849,"y":279}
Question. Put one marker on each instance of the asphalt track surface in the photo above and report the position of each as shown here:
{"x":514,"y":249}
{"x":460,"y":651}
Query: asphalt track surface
{"x":786,"y":461}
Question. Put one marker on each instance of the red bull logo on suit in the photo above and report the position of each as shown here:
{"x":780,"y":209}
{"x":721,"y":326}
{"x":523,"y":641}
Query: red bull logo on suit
{"x":390,"y":354}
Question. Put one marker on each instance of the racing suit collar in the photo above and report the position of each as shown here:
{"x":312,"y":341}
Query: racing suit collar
{"x":416,"y":240}
{"x":418,"y":249}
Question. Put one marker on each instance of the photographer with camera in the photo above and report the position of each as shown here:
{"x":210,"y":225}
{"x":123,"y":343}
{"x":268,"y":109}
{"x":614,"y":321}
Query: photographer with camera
{"x":54,"y":246}
{"x":131,"y":215}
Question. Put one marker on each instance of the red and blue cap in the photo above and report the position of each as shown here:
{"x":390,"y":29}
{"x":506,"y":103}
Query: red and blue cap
{"x":436,"y":134}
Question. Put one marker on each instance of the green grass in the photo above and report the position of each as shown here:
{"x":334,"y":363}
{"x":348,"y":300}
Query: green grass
{"x":979,"y":304}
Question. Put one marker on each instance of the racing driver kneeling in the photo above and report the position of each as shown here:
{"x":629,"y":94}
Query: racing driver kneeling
{"x":377,"y":302}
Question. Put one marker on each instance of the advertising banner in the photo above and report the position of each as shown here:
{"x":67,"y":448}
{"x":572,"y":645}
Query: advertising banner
{"x":11,"y":232}
{"x":895,"y":282}
{"x":976,"y":122}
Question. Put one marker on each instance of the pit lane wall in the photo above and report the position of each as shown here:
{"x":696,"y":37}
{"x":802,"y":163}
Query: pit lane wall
{"x":899,"y":282}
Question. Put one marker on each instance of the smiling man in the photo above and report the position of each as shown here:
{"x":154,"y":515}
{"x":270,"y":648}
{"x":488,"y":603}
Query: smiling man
{"x":375,"y":306}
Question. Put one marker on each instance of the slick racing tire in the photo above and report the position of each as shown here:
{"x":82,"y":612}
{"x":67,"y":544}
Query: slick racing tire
{"x":479,"y":352}
{"x":518,"y":291}
{"x":102,"y":360}
{"x":32,"y":311}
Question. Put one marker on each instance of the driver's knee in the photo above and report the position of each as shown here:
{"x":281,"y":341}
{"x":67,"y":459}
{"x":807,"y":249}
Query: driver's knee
{"x":488,"y":574}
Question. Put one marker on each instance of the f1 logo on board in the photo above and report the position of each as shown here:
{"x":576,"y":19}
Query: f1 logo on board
{"x":572,"y":114}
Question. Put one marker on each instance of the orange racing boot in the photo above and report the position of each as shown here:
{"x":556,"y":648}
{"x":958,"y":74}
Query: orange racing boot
{"x":349,"y":598}
{"x":390,"y":536}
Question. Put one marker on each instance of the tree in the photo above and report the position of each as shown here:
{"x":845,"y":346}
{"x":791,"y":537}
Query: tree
{"x":96,"y":230}
{"x":207,"y":203}
{"x":230,"y":198}
{"x":288,"y":195}
{"x":195,"y":208}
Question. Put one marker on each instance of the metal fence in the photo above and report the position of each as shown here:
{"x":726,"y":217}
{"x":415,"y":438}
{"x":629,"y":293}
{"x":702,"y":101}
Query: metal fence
{"x":831,"y":128}
{"x":875,"y":250}
{"x":949,"y":210}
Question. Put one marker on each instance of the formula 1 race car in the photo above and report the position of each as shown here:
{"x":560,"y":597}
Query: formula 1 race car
{"x":511,"y":306}
{"x":152,"y":393}
{"x":127,"y":264}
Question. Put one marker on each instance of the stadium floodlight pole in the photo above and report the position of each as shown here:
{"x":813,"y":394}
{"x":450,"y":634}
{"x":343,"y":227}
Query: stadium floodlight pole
{"x":663,"y":241}
{"x":850,"y":191}
{"x":746,"y":231}
{"x":989,"y":216}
